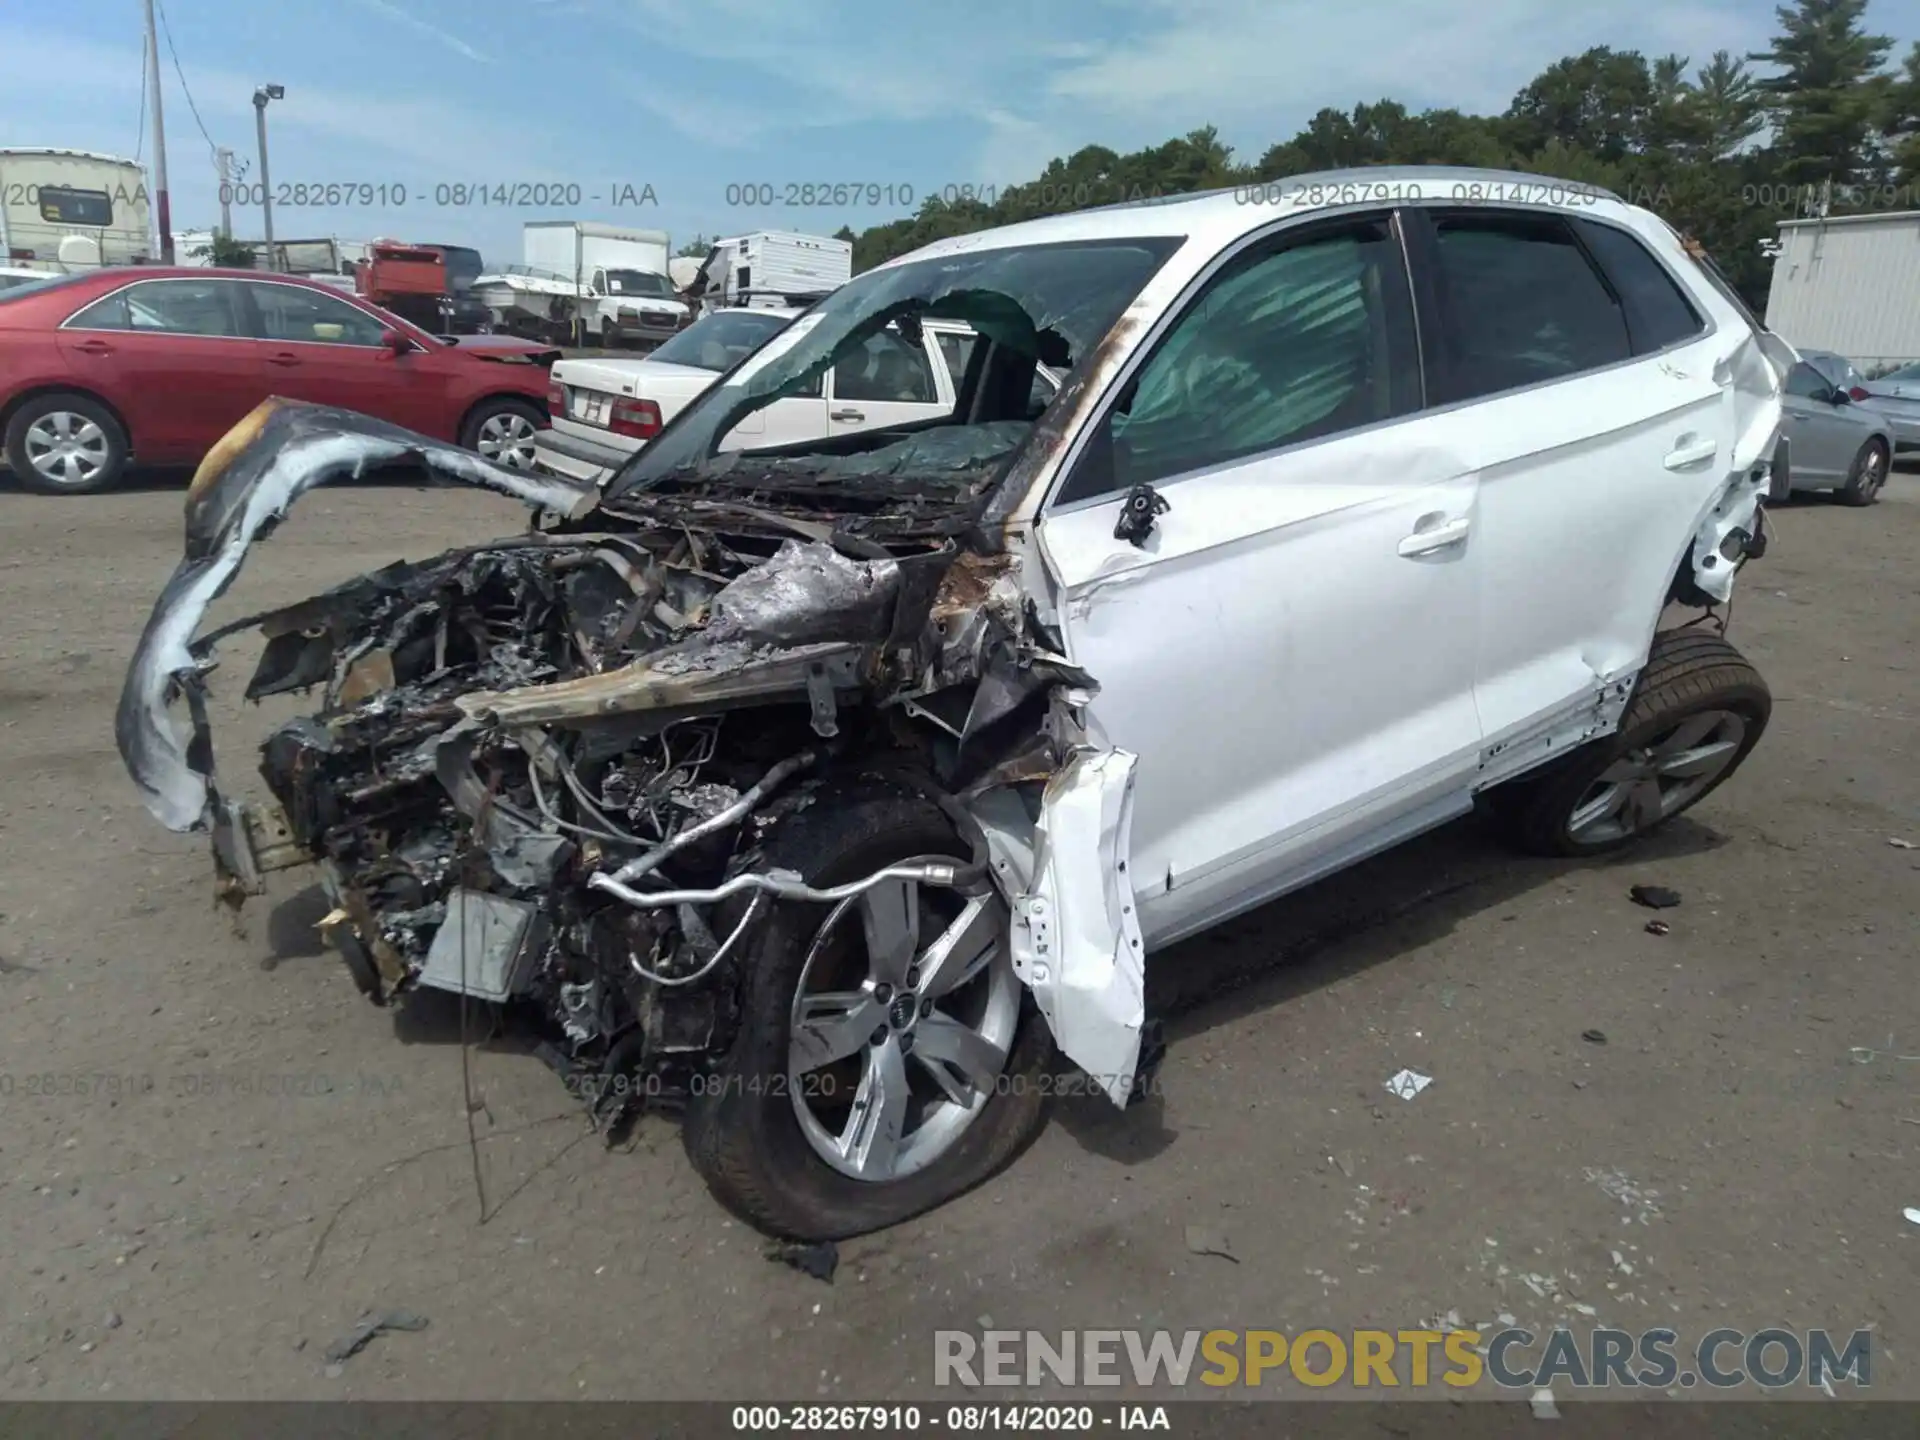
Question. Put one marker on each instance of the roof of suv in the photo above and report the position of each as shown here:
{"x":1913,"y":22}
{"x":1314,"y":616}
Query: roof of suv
{"x":1222,"y":215}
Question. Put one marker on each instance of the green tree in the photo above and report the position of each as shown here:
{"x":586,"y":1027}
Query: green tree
{"x":225,"y":251}
{"x":697,"y":248}
{"x":1827,"y":97}
{"x":1597,"y":102}
{"x":1730,"y":106}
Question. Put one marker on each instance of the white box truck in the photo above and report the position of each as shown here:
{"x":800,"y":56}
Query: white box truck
{"x":779,"y":267}
{"x":620,"y":276}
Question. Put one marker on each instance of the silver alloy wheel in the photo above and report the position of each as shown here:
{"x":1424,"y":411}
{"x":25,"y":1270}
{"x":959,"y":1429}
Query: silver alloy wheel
{"x":923,"y":1013}
{"x":1653,"y":781}
{"x":66,"y":448}
{"x":508,"y":439}
{"x":1873,"y":471}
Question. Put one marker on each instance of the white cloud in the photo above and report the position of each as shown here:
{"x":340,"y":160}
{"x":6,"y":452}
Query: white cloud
{"x":444,"y":141}
{"x":426,"y":27}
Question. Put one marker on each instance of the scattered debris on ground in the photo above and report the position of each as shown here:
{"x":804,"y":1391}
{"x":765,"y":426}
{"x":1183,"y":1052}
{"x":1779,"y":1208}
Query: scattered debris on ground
{"x":1654,"y":897}
{"x":356,"y":1339}
{"x":819,"y":1261}
{"x":1543,"y":1406}
{"x":1899,"y":844}
{"x":1594,"y":1037}
{"x":1658,"y":927}
{"x":1204,"y":1240}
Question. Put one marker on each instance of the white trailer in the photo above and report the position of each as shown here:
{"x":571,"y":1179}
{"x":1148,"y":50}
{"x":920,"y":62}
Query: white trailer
{"x":775,"y":266}
{"x":1850,"y":284}
{"x":66,"y":210}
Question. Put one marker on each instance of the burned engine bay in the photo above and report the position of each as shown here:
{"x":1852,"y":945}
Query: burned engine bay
{"x":542,"y":771}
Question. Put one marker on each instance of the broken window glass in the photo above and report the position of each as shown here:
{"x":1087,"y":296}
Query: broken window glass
{"x":1052,"y":302}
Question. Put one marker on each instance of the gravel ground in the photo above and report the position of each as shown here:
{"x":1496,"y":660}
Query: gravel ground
{"x":215,"y":1156}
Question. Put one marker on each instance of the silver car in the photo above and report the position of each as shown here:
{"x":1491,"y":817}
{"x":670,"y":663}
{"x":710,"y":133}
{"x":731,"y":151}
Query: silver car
{"x":1839,"y":441}
{"x":1897,"y":396}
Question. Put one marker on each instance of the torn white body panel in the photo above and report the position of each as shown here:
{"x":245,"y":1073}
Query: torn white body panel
{"x":244,"y":488}
{"x":1076,"y":937}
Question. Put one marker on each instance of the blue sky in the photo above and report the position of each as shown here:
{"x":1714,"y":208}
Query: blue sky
{"x":693,"y":96}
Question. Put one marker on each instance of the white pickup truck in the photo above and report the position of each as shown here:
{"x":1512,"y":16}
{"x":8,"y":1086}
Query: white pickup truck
{"x":605,"y":410}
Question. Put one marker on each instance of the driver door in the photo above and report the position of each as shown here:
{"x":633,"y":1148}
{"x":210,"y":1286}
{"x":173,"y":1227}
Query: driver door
{"x":1290,"y":651}
{"x":1824,"y":434}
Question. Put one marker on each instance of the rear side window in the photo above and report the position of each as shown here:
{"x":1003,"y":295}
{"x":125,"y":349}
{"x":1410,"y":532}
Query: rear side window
{"x":1658,"y":313}
{"x":1521,"y":303}
{"x":886,"y":367}
{"x":60,"y":205}
{"x":166,"y":307}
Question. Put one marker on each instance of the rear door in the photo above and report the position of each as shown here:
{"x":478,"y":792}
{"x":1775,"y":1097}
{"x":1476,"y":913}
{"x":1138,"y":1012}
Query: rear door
{"x":888,"y":381}
{"x":319,"y":347}
{"x":1582,"y":391}
{"x":174,"y":356}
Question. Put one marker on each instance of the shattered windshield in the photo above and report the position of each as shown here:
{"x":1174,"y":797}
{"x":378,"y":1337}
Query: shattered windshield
{"x":1053,"y":303}
{"x":721,"y":340}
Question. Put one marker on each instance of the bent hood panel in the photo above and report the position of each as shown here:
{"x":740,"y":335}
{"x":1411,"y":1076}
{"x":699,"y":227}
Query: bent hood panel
{"x":244,"y":487}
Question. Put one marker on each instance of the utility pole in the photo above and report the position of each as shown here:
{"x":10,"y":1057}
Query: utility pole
{"x":162,"y":210}
{"x":260,"y":98}
{"x":224,"y":157}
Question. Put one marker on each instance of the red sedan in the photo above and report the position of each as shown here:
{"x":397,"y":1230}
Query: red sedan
{"x":114,"y":365}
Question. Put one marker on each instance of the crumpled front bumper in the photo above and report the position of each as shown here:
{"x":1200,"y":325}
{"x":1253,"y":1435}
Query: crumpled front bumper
{"x":243,"y":488}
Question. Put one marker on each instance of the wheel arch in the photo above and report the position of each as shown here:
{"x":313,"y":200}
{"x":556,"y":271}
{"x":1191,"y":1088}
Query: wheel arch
{"x":491,"y":397}
{"x":14,"y":404}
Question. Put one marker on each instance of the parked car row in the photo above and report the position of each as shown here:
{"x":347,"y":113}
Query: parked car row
{"x":101,"y":368}
{"x":1841,"y":437}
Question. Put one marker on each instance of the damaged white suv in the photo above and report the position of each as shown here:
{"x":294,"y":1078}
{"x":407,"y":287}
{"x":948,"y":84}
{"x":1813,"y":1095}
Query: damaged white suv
{"x":834,"y":790}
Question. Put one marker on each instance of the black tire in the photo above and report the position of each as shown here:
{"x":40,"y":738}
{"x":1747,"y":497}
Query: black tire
{"x":110,"y":468}
{"x":474,"y":431}
{"x":741,"y":1131}
{"x":1867,"y":476}
{"x":1689,"y":673}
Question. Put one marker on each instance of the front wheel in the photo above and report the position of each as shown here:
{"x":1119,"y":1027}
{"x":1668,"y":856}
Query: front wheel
{"x":887,"y":1058}
{"x":503,"y":431}
{"x":1696,"y":714}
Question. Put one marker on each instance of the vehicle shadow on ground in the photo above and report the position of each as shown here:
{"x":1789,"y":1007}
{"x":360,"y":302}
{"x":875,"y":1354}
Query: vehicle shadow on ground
{"x":1368,"y":915}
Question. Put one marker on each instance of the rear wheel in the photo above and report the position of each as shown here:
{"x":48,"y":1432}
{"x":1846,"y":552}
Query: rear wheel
{"x":65,"y":444}
{"x":887,"y":1058}
{"x":502,"y":429}
{"x":1697,"y":713}
{"x":1866,"y":476}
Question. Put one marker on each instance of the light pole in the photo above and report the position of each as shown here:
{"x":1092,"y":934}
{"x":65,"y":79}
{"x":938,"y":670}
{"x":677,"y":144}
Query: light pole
{"x":164,"y":213}
{"x":260,"y":98}
{"x":224,"y":157}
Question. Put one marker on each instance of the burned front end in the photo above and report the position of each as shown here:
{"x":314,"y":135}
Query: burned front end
{"x":543,"y":771}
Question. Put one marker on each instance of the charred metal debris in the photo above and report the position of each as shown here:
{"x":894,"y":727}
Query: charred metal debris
{"x":543,"y":771}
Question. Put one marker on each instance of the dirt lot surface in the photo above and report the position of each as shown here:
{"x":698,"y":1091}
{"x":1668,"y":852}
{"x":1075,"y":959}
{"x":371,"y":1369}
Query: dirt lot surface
{"x":215,"y":1156}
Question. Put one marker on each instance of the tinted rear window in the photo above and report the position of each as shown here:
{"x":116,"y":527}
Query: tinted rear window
{"x":1523,"y":303}
{"x":1657,"y":312}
